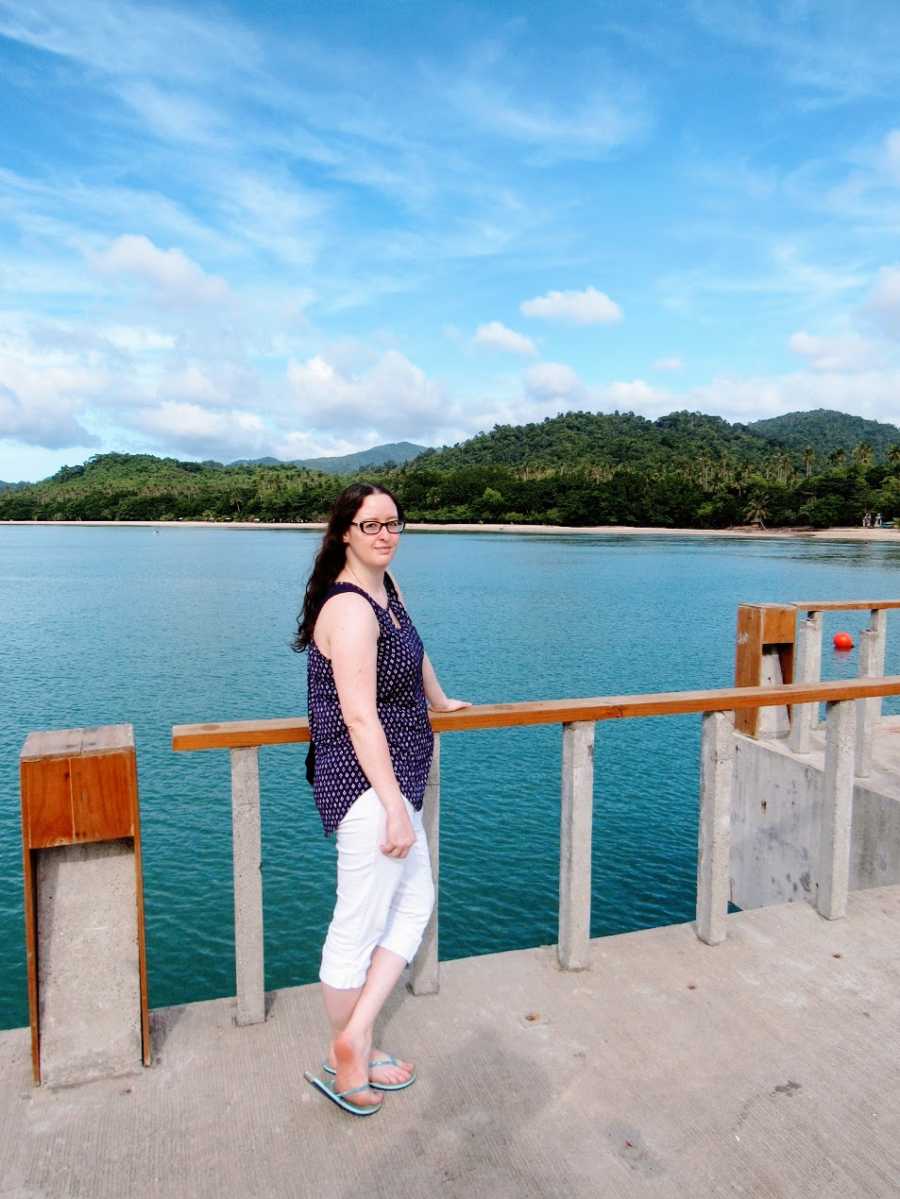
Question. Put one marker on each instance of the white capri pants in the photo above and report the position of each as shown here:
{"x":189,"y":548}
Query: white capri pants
{"x":381,"y":901}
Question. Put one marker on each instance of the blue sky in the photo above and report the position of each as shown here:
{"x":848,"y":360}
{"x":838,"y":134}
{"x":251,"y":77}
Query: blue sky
{"x":304,"y":228}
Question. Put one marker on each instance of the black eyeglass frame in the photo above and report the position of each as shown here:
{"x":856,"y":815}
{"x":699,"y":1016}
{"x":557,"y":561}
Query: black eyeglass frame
{"x":382,"y":524}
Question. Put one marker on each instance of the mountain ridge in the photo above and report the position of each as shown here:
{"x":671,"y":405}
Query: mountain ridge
{"x":396,"y":452}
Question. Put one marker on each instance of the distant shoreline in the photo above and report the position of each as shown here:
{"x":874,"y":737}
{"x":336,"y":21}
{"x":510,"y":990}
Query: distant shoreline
{"x":848,"y":533}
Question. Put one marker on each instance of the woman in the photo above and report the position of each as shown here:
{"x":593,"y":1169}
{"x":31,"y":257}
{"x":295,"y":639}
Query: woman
{"x":370,"y":687}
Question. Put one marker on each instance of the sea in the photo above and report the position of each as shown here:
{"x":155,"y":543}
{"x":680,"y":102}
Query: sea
{"x":179,"y":624}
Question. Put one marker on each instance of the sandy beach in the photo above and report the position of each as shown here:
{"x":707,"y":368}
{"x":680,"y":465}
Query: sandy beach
{"x":836,"y":534}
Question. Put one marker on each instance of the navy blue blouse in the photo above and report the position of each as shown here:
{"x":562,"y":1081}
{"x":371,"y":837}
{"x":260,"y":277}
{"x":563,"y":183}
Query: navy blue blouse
{"x":402,"y":709}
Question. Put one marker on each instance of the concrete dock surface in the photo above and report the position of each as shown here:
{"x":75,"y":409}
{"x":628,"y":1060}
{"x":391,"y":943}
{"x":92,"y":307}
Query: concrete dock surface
{"x":768,"y":1066}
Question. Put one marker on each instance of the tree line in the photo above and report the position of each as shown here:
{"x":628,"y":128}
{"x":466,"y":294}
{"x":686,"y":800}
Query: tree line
{"x":709,"y":488}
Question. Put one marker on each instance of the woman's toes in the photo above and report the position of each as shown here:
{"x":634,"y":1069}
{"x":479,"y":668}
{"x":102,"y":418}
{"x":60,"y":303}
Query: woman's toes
{"x":391,"y":1075}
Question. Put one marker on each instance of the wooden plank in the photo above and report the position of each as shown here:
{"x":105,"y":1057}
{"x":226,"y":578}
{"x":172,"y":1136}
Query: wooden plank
{"x":844,"y":605}
{"x":748,"y":661}
{"x":102,"y":798}
{"x":748,"y":646}
{"x":241,"y":734}
{"x":47,"y":809}
{"x":779,"y":621}
{"x":760,"y":626}
{"x":554,"y":711}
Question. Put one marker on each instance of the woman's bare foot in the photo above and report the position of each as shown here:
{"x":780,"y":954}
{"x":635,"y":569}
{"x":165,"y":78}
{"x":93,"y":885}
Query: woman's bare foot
{"x":385,"y":1075}
{"x":350,"y":1057}
{"x":390,"y":1076}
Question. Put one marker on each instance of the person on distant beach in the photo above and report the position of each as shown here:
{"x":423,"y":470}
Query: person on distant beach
{"x":370,"y":686}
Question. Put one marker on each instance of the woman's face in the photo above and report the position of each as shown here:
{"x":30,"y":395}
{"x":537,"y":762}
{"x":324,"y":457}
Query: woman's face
{"x":373,"y":551}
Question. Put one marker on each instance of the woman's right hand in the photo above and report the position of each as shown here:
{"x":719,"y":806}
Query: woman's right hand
{"x":399,"y":837}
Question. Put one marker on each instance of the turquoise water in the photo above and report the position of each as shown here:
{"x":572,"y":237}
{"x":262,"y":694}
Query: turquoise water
{"x":181,"y":625}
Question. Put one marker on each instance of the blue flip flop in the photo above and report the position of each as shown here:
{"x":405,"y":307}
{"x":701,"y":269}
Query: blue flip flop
{"x":380,"y":1086}
{"x":340,"y":1097}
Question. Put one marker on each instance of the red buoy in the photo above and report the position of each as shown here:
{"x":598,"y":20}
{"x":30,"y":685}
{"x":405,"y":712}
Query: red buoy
{"x":843,"y":641}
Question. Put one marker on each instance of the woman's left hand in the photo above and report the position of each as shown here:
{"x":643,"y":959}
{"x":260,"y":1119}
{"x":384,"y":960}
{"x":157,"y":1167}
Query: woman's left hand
{"x":451,"y":705}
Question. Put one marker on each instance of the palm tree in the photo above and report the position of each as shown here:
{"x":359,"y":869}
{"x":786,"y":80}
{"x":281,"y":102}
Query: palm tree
{"x":809,"y":457}
{"x":893,"y":454}
{"x":756,"y":512}
{"x":863,"y":454}
{"x":838,"y":457}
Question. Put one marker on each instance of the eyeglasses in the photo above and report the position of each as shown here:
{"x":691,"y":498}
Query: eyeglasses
{"x":372,"y":528}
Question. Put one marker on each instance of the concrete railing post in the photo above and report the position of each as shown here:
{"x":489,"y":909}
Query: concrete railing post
{"x":425,"y":972}
{"x":868,"y":711}
{"x":84,"y":904}
{"x":837,"y":810}
{"x":714,"y":851}
{"x":807,"y":669}
{"x":248,"y":899}
{"x":576,"y":821}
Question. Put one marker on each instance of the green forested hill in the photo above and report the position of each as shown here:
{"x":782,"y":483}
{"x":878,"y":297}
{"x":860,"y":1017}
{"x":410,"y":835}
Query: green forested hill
{"x":143,"y":487}
{"x":579,"y":468}
{"x":602,"y":439}
{"x":826,"y":431}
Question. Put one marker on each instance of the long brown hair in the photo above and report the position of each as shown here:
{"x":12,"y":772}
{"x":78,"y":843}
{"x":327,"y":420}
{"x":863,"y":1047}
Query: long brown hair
{"x":332,"y":555}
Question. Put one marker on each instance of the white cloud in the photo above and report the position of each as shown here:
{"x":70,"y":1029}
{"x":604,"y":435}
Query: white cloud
{"x":636,"y":395}
{"x":832,"y":52}
{"x":392,"y":398}
{"x":176,"y":277}
{"x":48,"y":420}
{"x":843,"y":352}
{"x":137,"y":339}
{"x":44,"y":394}
{"x":192,"y":429}
{"x":127,"y":38}
{"x":304,"y":445}
{"x":786,"y":276}
{"x":172,"y":117}
{"x":499,"y":337}
{"x":552,"y":380}
{"x":874,"y":394}
{"x":586,"y":130}
{"x":672,"y":363}
{"x":883,"y":304}
{"x":588,"y":307}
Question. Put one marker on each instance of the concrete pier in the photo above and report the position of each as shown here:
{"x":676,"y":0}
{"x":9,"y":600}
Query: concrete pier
{"x":766,"y":1067}
{"x":779,"y":813}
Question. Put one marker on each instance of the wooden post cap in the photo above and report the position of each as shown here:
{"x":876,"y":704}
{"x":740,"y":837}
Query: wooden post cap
{"x":78,"y":785}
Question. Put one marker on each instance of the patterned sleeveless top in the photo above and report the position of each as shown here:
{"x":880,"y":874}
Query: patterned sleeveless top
{"x":402,"y":709}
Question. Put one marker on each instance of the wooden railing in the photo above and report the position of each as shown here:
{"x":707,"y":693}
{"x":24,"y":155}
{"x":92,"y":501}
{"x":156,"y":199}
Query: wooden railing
{"x":578,"y":718}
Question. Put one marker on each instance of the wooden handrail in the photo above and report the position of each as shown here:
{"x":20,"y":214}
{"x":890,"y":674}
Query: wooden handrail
{"x":245,"y":734}
{"x":844,"y":605}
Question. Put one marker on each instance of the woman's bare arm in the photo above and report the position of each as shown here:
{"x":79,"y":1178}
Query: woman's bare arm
{"x":434,"y":692}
